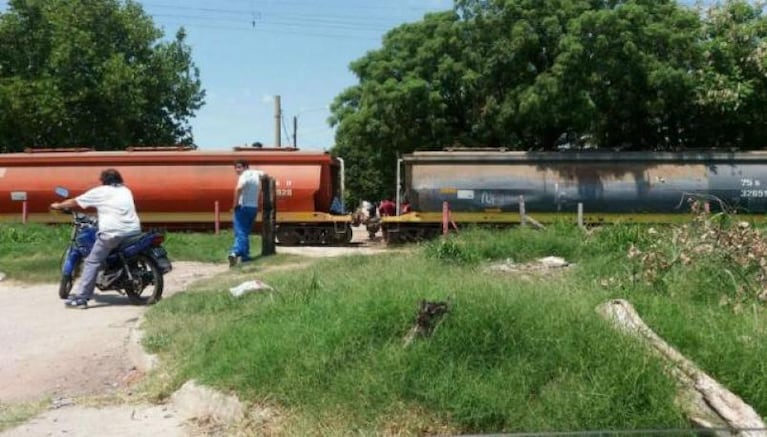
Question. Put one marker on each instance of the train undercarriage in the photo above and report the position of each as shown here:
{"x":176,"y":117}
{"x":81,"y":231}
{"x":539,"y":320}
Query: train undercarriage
{"x":295,"y":234}
{"x":398,"y":233}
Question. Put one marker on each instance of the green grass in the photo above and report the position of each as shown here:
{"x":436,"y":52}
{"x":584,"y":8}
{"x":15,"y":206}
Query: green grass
{"x":204,"y":247}
{"x":510,"y":356}
{"x":12,"y":415}
{"x":32,"y":253}
{"x":516,"y":353}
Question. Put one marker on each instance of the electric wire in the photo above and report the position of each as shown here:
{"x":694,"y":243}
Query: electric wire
{"x":302,"y":23}
{"x":307,"y":22}
{"x":353,"y":23}
{"x":338,"y":37}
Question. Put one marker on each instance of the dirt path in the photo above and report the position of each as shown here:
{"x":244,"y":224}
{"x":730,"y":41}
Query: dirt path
{"x":50,"y":352}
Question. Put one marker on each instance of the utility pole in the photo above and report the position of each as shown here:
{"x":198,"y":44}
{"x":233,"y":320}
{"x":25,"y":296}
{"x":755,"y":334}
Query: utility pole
{"x":295,"y":128}
{"x":295,"y":121}
{"x":277,"y":120}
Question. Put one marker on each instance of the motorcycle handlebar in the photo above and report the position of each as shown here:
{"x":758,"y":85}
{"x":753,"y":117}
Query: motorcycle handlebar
{"x":77,"y":216}
{"x":60,"y":210}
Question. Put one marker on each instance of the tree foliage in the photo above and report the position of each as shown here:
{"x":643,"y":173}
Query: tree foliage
{"x":92,"y":73}
{"x":547,"y":74}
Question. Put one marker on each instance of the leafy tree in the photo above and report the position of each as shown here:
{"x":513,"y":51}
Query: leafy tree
{"x":633,"y":65}
{"x":732,"y":81}
{"x":409,"y":97}
{"x":522,"y":74}
{"x":92,"y":73}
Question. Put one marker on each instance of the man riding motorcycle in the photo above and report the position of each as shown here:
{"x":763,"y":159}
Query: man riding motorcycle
{"x":117,"y":220}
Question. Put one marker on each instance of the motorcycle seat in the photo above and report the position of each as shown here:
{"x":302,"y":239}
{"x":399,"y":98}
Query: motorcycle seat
{"x":131,"y":239}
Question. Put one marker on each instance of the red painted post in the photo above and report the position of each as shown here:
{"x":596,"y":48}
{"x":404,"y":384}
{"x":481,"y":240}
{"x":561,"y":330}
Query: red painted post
{"x":445,"y":217}
{"x":24,"y":212}
{"x":217,"y":213}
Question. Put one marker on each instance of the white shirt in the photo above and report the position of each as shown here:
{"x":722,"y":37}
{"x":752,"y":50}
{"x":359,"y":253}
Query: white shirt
{"x":116,"y":210}
{"x":249,"y":182}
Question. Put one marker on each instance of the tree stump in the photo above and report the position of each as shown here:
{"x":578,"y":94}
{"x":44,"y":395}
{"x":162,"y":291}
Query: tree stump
{"x":428,"y":318}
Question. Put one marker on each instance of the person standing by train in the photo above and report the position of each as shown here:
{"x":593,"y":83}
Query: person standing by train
{"x":245,"y":208}
{"x":387,"y":208}
{"x":117,"y":220}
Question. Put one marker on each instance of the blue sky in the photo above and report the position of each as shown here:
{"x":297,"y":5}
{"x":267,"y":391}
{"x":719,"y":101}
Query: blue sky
{"x":248,"y":51}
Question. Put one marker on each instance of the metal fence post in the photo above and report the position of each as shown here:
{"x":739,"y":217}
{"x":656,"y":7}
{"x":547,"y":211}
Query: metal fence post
{"x":216,"y":217}
{"x":445,"y":217}
{"x":522,"y":213}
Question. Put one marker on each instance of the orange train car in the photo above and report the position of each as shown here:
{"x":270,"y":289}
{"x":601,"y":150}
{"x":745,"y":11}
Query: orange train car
{"x":182,"y":188}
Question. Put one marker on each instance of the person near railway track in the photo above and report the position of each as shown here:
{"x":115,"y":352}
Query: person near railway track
{"x":245,"y":209}
{"x":387,"y":208}
{"x":117,"y":219}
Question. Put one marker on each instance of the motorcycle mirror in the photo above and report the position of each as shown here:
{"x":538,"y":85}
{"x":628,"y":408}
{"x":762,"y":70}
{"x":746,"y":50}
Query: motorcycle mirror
{"x":62,"y":192}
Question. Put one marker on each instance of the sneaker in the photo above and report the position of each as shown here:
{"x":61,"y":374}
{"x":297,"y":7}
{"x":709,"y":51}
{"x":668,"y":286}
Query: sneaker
{"x":76,"y":303}
{"x":233,"y":260}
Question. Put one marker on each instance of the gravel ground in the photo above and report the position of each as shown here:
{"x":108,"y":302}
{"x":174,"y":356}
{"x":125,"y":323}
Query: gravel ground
{"x":50,"y":352}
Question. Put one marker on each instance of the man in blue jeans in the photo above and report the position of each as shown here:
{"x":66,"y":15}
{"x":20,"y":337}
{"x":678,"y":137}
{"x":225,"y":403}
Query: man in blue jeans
{"x":245,"y":205}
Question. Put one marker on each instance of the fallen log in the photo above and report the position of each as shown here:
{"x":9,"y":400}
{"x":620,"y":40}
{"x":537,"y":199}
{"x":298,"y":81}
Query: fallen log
{"x":707,"y":403}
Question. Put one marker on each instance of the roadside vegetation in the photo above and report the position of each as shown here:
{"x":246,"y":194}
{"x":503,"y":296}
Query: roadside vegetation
{"x":33,"y":252}
{"x":12,"y":415}
{"x":517,"y":351}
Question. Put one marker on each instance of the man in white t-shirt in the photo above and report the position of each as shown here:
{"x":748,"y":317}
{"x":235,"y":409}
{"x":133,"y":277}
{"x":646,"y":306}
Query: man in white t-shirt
{"x":245,"y":207}
{"x":117,"y":220}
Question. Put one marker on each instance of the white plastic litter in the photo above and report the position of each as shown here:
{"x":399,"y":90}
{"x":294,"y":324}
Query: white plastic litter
{"x":553,"y":262}
{"x":249,"y":287}
{"x":2,"y":276}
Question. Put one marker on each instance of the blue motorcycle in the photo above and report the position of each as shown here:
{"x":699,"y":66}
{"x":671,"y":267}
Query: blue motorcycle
{"x":135,"y":266}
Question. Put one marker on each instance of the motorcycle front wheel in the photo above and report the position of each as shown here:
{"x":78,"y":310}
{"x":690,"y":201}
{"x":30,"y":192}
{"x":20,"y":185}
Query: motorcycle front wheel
{"x":147,"y":284}
{"x":67,"y":281}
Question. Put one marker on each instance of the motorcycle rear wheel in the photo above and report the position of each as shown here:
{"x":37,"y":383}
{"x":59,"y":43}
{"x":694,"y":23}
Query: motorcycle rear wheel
{"x":146,"y":273}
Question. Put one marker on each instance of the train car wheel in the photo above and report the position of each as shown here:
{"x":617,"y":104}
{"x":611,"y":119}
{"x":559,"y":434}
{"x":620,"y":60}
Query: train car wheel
{"x":288,"y":237}
{"x":344,"y":237}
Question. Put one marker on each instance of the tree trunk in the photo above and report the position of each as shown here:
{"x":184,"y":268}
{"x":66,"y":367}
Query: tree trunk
{"x":706,"y":402}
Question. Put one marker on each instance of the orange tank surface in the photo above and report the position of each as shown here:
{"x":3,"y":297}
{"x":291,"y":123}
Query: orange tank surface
{"x":175,"y":188}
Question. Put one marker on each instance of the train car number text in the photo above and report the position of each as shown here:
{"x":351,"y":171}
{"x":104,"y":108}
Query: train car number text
{"x":753,"y":193}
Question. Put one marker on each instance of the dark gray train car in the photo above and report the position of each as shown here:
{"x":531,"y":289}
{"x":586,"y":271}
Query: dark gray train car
{"x":488,"y":186}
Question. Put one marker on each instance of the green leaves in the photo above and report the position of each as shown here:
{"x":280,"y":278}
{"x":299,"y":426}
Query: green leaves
{"x":540,"y":74}
{"x":731,"y":80}
{"x":93,"y":73}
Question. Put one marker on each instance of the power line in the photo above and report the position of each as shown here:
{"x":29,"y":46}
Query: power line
{"x":261,"y":29}
{"x":334,"y":18}
{"x":278,"y":16}
{"x":313,"y":3}
{"x":321,"y":25}
{"x":299,"y":22}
